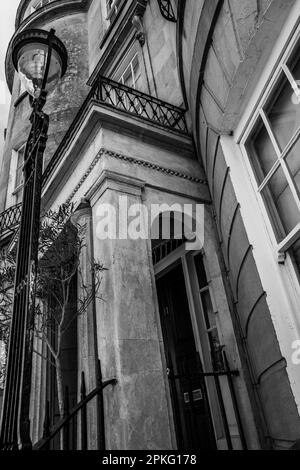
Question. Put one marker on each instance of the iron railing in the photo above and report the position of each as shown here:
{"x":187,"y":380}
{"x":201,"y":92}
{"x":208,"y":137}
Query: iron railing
{"x":67,"y":433}
{"x":140,"y":104}
{"x":129,"y":101}
{"x":10,"y":219}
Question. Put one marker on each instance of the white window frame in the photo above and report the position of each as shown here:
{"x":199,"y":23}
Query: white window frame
{"x":13,"y":191}
{"x":284,"y":245}
{"x":40,"y":4}
{"x":112,"y":9}
{"x":276,"y":268}
{"x":20,"y":186}
{"x":3,"y":359}
{"x":126,"y":63}
{"x":122,"y":68}
{"x":130,"y":65}
{"x":36,"y":6}
{"x":22,"y":89}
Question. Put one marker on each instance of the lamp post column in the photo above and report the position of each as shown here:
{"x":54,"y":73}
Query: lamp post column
{"x":33,"y":53}
{"x":15,"y":417}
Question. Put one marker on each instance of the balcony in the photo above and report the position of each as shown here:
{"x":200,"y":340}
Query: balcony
{"x":111,"y":95}
{"x":132,"y":101}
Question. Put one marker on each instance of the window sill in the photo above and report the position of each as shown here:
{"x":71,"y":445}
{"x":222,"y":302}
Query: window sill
{"x":287,"y":243}
{"x":17,"y":190}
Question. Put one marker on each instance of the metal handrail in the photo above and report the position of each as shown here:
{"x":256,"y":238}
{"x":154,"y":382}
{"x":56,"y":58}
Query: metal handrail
{"x":217,"y":373}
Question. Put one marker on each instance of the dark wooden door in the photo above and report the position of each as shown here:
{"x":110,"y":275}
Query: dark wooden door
{"x":188,"y":391}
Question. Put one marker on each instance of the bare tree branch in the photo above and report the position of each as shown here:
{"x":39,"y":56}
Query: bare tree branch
{"x":44,"y":357}
{"x":60,"y":247}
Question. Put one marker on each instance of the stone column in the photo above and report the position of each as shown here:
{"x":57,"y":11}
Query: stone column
{"x":86,"y":324}
{"x":136,"y":409}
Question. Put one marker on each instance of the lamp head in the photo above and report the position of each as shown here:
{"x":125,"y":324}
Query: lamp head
{"x":30,"y":51}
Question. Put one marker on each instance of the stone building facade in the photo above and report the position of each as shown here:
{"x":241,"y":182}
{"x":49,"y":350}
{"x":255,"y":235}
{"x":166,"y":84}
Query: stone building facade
{"x":177,"y":102}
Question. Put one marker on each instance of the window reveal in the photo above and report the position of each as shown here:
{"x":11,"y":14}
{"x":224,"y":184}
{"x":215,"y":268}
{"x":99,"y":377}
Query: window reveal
{"x":209,"y":315}
{"x":19,"y":169}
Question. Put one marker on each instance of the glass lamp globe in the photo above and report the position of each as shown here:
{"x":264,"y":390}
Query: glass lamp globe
{"x":30,"y":53}
{"x":31,"y":66}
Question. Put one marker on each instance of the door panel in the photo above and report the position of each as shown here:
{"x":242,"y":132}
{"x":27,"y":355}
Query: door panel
{"x":188,"y":391}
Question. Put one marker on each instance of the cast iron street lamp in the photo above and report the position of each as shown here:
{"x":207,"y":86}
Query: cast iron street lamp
{"x":41,"y":60}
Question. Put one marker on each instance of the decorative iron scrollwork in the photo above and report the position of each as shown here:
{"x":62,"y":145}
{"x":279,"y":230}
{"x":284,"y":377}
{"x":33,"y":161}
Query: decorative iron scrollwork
{"x":167,"y":11}
{"x":10,"y":219}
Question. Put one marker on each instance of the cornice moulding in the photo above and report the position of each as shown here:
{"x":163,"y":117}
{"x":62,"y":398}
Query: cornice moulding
{"x":97,"y":114}
{"x":103,"y":152}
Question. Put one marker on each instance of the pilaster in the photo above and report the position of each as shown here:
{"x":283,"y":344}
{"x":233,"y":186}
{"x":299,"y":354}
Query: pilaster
{"x":136,"y":410}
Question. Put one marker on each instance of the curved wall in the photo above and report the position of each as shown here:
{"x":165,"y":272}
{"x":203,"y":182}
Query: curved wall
{"x":220,"y":70}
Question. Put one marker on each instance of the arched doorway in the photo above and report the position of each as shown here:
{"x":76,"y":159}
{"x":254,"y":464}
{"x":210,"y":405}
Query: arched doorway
{"x":203,"y":402}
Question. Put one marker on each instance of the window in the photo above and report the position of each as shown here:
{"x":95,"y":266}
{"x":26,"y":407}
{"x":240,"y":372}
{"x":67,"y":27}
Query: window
{"x":40,"y":4}
{"x":22,"y":95}
{"x":19,"y":168}
{"x":132,"y":74}
{"x":129,"y":74}
{"x":112,"y":8}
{"x":3,"y":356}
{"x":22,"y":89}
{"x":14,"y":192}
{"x":37,"y":5}
{"x":273,"y":147}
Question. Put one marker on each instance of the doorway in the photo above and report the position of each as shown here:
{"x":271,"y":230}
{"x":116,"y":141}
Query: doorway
{"x":191,"y":410}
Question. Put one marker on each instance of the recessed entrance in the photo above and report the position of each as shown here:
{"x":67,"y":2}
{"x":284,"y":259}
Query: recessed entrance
{"x":193,"y":423}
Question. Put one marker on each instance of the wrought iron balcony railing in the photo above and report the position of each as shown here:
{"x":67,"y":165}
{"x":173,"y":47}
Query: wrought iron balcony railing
{"x":10,"y":219}
{"x":135,"y":102}
{"x":129,"y":101}
{"x":117,"y":96}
